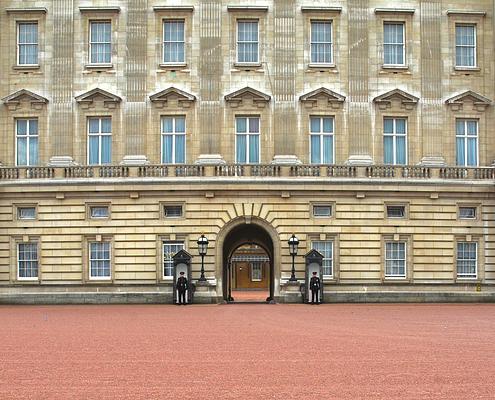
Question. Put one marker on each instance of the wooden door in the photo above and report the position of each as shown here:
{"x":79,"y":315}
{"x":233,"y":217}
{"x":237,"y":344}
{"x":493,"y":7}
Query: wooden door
{"x":251,"y":275}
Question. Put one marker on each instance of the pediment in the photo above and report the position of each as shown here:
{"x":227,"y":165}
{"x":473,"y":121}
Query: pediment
{"x":86,"y":99}
{"x":182,"y":256}
{"x":407,"y":100}
{"x":13,"y":100}
{"x":184,"y":99}
{"x":313,"y":256}
{"x":236,"y":98}
{"x":333,"y":99}
{"x":479,"y":102}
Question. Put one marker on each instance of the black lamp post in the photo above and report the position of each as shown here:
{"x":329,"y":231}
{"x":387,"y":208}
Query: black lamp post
{"x":202,"y":249}
{"x":293,"y":243}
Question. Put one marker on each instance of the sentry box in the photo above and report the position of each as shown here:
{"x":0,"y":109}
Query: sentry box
{"x":182,"y":263}
{"x":314,"y":261}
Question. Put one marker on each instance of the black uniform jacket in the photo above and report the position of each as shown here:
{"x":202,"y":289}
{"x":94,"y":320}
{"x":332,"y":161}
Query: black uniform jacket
{"x":182,"y":284}
{"x":314,"y":283}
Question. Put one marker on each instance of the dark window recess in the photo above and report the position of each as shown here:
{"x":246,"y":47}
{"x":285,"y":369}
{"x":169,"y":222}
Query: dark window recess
{"x":467,"y":212}
{"x":322,"y":211}
{"x":396,"y":211}
{"x":99,"y":212}
{"x":172,"y":211}
{"x":26,"y":213}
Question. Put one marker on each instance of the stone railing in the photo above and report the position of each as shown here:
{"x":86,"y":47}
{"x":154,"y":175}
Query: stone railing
{"x":392,"y":172}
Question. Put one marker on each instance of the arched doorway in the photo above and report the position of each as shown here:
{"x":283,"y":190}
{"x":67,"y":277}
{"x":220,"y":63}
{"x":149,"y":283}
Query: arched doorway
{"x":237,"y":240}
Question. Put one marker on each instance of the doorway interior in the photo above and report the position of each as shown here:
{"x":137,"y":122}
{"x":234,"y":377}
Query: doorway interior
{"x":248,"y":265}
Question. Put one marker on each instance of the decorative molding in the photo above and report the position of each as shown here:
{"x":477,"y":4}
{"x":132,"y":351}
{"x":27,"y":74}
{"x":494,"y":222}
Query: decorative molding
{"x":334,"y":99}
{"x":173,"y":8}
{"x":408,"y":101}
{"x":109,"y":100}
{"x":236,"y":98}
{"x":12,"y":10}
{"x":13,"y":100}
{"x":107,"y":9}
{"x":247,"y":8}
{"x":480,"y":103}
{"x":320,"y":9}
{"x":466,"y":12}
{"x":394,"y":10}
{"x":184,"y":99}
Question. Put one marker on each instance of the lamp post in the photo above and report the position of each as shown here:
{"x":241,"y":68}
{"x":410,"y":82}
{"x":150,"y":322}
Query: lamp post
{"x":293,"y":243}
{"x":202,"y":249}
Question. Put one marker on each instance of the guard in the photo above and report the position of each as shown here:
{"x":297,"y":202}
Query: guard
{"x":182,"y":286}
{"x":314,"y":286}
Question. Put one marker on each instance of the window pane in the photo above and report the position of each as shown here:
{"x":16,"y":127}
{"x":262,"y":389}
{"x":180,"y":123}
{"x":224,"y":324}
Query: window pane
{"x":401,"y":150}
{"x":241,"y":147}
{"x":26,"y":213}
{"x":388,"y":125}
{"x":327,"y":125}
{"x":106,"y":125}
{"x":21,"y":127}
{"x":21,"y":151}
{"x":327,"y":149}
{"x":93,"y":150}
{"x":241,"y":125}
{"x":460,"y":152}
{"x":388,"y":150}
{"x":106,"y":149}
{"x":94,"y":125}
{"x":167,"y":125}
{"x":315,"y":149}
{"x":254,"y":148}
{"x":167,"y":149}
{"x":180,"y":149}
{"x":180,"y":125}
{"x":315,"y":124}
{"x":169,"y":250}
{"x":254,"y":125}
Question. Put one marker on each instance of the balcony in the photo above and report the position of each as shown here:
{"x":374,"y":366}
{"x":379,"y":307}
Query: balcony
{"x":323,"y":172}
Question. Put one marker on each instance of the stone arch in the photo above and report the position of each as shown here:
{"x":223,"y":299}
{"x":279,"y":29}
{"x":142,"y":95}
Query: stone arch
{"x":224,"y":238}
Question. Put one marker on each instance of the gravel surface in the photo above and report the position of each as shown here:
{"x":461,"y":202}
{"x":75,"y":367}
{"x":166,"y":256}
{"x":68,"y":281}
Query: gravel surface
{"x":248,"y":351}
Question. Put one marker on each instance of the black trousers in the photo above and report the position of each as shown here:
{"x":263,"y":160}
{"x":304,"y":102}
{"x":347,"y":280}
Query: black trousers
{"x":314,"y":296}
{"x":182,"y":297}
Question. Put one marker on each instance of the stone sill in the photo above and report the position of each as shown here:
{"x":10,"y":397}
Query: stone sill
{"x":238,"y":67}
{"x":96,"y":67}
{"x":26,"y":68}
{"x":394,"y":69}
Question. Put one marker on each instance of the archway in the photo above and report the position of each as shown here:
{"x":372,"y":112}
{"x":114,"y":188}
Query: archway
{"x":240,"y":234}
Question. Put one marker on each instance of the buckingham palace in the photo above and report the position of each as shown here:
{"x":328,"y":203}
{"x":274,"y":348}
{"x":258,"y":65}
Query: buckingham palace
{"x":130,"y":130}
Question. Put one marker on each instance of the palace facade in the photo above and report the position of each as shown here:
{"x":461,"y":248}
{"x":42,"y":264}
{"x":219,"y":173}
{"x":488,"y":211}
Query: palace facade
{"x":363,"y":127}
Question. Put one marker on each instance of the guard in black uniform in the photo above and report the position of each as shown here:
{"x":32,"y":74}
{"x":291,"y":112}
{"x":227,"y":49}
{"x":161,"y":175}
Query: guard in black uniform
{"x":182,"y":286}
{"x":314,"y":286}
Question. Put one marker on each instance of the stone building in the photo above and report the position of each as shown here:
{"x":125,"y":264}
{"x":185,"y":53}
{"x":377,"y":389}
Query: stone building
{"x":130,"y":128}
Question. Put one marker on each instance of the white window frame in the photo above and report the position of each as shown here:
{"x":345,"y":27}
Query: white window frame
{"x":164,"y":243}
{"x":403,"y":24}
{"x":19,"y":23}
{"x":324,"y":21}
{"x":18,"y":213}
{"x":103,"y":278}
{"x":321,"y":134}
{"x":164,"y":21}
{"x":174,"y":135}
{"x":238,"y":21}
{"x":99,"y":21}
{"x":475,"y":45}
{"x":28,"y":140}
{"x":248,"y":135}
{"x":315,"y":206}
{"x":332,"y":242}
{"x":394,"y":136}
{"x":259,"y":267}
{"x":91,"y":207}
{"x":396,"y":205}
{"x":465,"y":138}
{"x":37,"y":260}
{"x":469,"y":207}
{"x":466,"y":276}
{"x":100,"y":136}
{"x":388,"y":276}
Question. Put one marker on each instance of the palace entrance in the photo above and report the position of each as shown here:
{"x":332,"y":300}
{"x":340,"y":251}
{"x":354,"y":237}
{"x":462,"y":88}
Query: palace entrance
{"x":248,"y":264}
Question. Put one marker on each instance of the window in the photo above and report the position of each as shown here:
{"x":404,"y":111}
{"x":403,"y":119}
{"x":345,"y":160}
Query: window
{"x":322,"y":211}
{"x":100,"y":42}
{"x":325,"y":247}
{"x":247,"y":140}
{"x":321,"y":42}
{"x":467,"y":212}
{"x":172,"y":211}
{"x":395,"y":259}
{"x":27,"y":261}
{"x":169,"y":250}
{"x":467,"y":142}
{"x":247,"y":42}
{"x":26,"y":212}
{"x":99,"y":212}
{"x":394,"y":141}
{"x":465,"y":45}
{"x":173,"y":41}
{"x":173,"y":140}
{"x":27,"y":43}
{"x":321,"y":142}
{"x":256,"y":271}
{"x":393,"y":43}
{"x":26,"y":133}
{"x":99,"y":140}
{"x":99,"y":260}
{"x":467,"y":259}
{"x":396,"y":211}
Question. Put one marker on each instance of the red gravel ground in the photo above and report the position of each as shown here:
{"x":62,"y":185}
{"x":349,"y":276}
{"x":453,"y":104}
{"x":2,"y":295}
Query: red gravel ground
{"x":248,"y":351}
